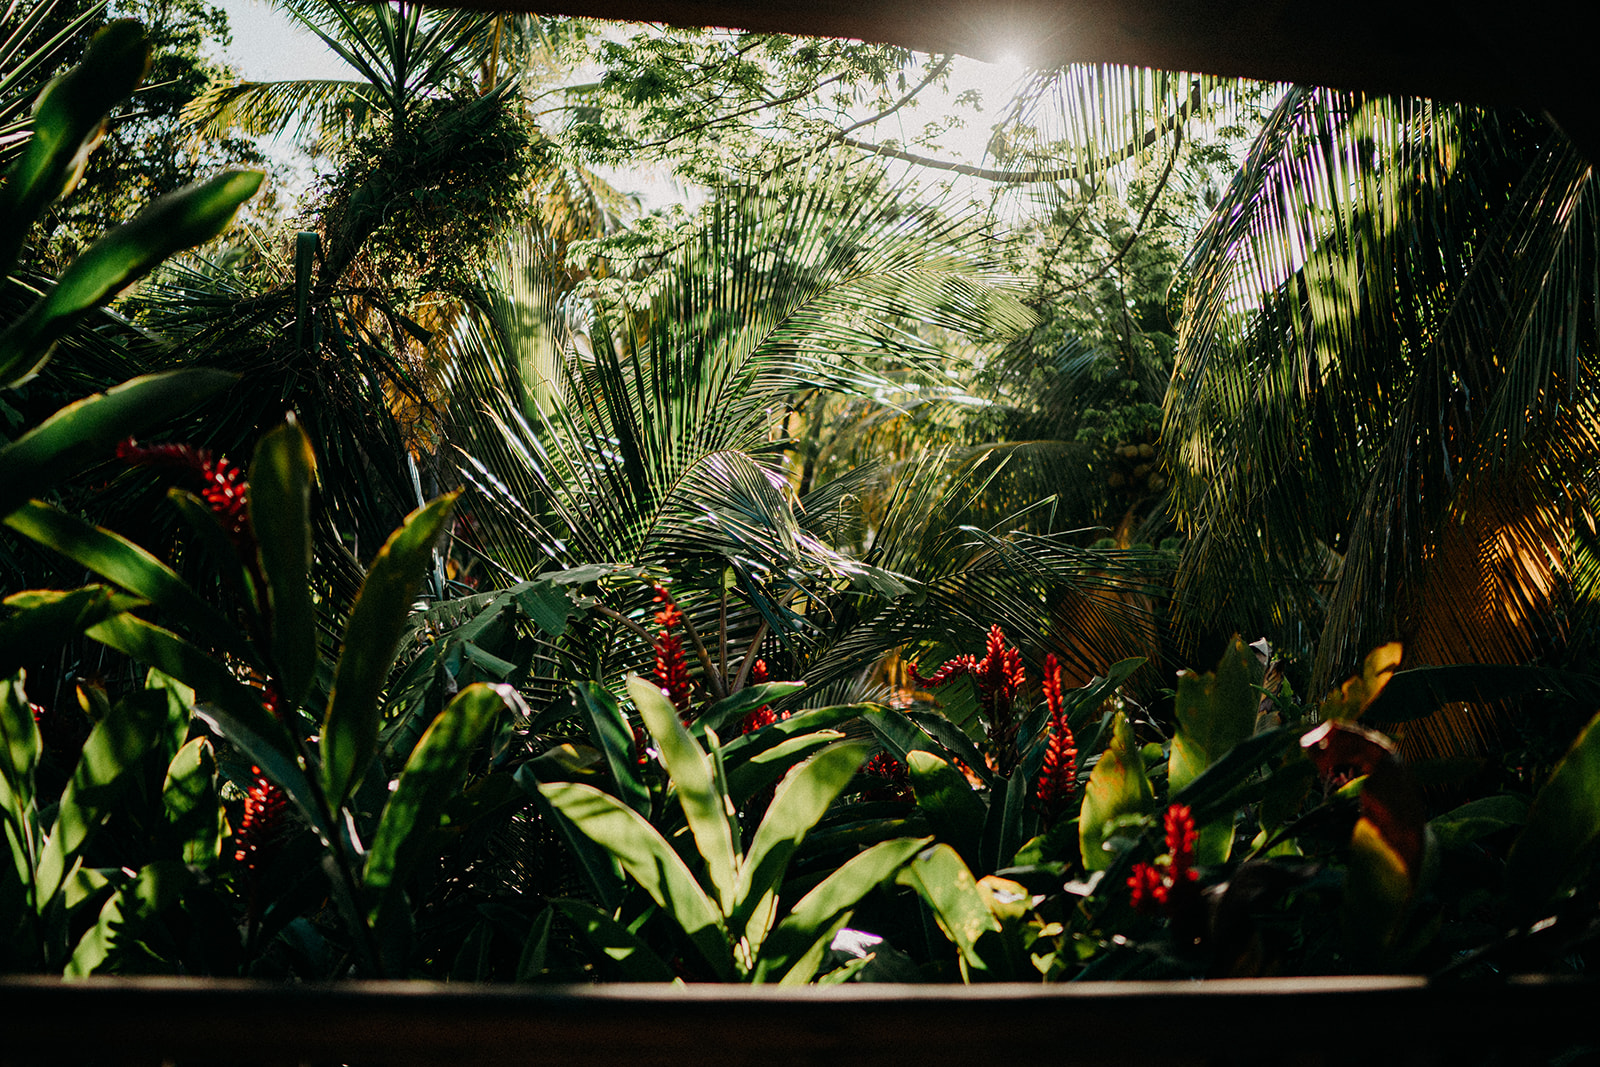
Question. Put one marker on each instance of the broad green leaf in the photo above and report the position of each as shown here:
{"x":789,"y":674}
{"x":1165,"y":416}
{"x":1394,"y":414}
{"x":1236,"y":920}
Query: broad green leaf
{"x":189,"y":799}
{"x":736,"y":706}
{"x":281,"y":477}
{"x":802,"y":799}
{"x":104,"y":770}
{"x":1117,"y":786}
{"x":747,"y":746}
{"x":1215,"y":713}
{"x":805,"y":968}
{"x":1003,"y":831}
{"x":957,"y":743}
{"x":766,"y":768}
{"x":1210,"y":795}
{"x":1563,"y":827}
{"x":19,"y":734}
{"x":1478,"y":818}
{"x":88,"y":884}
{"x":537,"y":947}
{"x":67,"y":121}
{"x":635,"y":959}
{"x":46,"y":619}
{"x":1358,"y":693}
{"x":705,"y":807}
{"x":158,"y":886}
{"x":650,"y":860}
{"x":119,"y":560}
{"x":180,"y":710}
{"x":86,"y":431}
{"x":547,"y":604}
{"x":946,"y":885}
{"x":210,"y":679}
{"x":233,"y":710}
{"x":898,"y":733}
{"x":371,"y":638}
{"x":603,"y":874}
{"x":179,"y":220}
{"x":953,"y":808}
{"x":612,"y":735}
{"x":815,"y":914}
{"x":432,"y":776}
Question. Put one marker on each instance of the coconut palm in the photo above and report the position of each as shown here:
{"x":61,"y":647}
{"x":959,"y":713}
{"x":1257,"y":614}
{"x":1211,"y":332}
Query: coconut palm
{"x":646,"y":430}
{"x":1382,"y":420}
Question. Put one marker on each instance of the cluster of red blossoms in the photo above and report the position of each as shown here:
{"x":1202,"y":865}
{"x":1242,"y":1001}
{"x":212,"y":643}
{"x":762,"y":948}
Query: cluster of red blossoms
{"x":896,"y":784}
{"x":764,"y":715}
{"x":1058,"y":774}
{"x":222,"y":485}
{"x":672,"y":666}
{"x":998,"y":678}
{"x":1157,"y":886}
{"x":257,"y":836}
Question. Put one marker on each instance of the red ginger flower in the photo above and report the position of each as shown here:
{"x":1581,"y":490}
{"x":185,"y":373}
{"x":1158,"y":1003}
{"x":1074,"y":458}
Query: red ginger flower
{"x":764,"y":715}
{"x":998,"y":677}
{"x":896,"y":784}
{"x":672,"y":666}
{"x":1153,"y":885}
{"x":222,"y":484}
{"x":1058,"y":774}
{"x":1147,"y":887}
{"x":1182,"y":836}
{"x":259,"y":830}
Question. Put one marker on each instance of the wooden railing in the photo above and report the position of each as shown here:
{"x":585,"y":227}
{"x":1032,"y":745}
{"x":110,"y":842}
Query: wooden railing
{"x":1351,"y":1022}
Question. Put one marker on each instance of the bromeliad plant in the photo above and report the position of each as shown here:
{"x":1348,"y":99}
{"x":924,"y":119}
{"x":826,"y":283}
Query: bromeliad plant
{"x":722,"y":885}
{"x":314,"y":732}
{"x":1019,"y":790}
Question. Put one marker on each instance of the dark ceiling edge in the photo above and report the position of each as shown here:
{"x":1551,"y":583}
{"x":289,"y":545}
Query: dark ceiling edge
{"x":1536,"y":54}
{"x":1415,"y":51}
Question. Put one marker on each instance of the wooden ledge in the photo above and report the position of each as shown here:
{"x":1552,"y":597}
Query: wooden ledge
{"x":1287,"y":1020}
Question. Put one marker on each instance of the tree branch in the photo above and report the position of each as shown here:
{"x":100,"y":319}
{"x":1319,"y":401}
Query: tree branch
{"x":796,"y":95}
{"x":1020,"y":177}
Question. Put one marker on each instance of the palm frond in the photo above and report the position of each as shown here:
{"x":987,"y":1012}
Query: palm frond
{"x":322,"y":110}
{"x":28,"y":51}
{"x":1388,"y":356}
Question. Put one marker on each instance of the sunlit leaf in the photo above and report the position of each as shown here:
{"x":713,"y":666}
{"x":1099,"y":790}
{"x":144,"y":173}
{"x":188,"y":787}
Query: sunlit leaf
{"x":371,"y":638}
{"x":705,"y":807}
{"x":281,"y":478}
{"x":1117,"y":786}
{"x":87,"y":431}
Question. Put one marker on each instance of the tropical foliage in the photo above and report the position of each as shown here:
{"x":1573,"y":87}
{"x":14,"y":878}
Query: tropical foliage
{"x":784,"y":590}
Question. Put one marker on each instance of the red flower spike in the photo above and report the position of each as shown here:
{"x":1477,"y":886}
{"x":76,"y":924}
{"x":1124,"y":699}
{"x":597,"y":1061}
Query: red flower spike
{"x":762,"y":716}
{"x":1169,"y":881}
{"x":1182,"y":837}
{"x":228,"y":494}
{"x":896,"y":784}
{"x":641,"y":755}
{"x":1052,"y":685}
{"x":672,"y":666}
{"x":1146,"y":889}
{"x":262,"y":825}
{"x":222,"y":484}
{"x":998,"y":677}
{"x":952,"y":668}
{"x":1058,"y":773}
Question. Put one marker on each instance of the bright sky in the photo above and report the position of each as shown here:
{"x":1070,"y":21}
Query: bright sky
{"x":268,"y":46}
